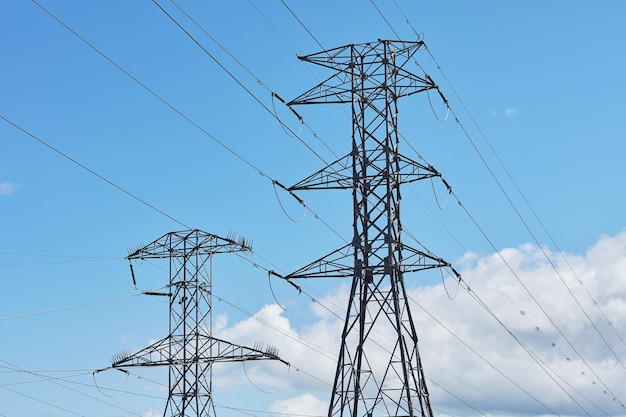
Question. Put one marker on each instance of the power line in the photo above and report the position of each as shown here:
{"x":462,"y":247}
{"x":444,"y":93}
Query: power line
{"x":186,"y":118}
{"x":45,"y":255}
{"x":92,"y":172}
{"x":257,"y":79}
{"x":206,"y":51}
{"x":484,"y":359}
{"x":57,"y":310}
{"x":56,"y":382}
{"x":44,"y":402}
{"x":510,"y":202}
{"x":541,"y":223}
{"x":302,"y":24}
{"x":442,"y":97}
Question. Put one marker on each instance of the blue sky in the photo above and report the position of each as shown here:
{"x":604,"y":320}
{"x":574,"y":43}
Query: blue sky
{"x":544,"y":85}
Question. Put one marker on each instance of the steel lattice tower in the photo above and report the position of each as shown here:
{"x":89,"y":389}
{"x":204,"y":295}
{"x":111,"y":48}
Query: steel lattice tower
{"x":379,"y":371}
{"x":190,"y":350}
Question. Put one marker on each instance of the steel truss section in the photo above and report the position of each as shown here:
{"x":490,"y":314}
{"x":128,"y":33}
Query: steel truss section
{"x":190,"y":350}
{"x":379,"y":371}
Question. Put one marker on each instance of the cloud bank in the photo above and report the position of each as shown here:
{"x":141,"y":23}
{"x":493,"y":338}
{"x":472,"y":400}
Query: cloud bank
{"x":537,"y":333}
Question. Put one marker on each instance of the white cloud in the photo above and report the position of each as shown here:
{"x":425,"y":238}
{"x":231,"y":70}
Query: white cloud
{"x":489,"y":369}
{"x":151,"y":413}
{"x":603,"y":273}
{"x":510,"y":111}
{"x":303,"y":405}
{"x":317,"y":342}
{"x":8,"y":188}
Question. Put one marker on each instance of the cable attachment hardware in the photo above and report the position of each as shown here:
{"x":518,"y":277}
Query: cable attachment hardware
{"x":282,"y":124}
{"x":132,"y":273}
{"x":298,"y":199}
{"x":271,"y":272}
{"x":288,"y":106}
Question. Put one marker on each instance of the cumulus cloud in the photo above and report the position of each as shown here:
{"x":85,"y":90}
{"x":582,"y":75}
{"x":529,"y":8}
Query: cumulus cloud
{"x":303,"y":405}
{"x":151,"y":413}
{"x":8,"y":188}
{"x":522,"y":341}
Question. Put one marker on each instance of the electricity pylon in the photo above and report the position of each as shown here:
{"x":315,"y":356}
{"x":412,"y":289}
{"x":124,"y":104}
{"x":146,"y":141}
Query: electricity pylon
{"x":190,"y":349}
{"x":379,"y":371}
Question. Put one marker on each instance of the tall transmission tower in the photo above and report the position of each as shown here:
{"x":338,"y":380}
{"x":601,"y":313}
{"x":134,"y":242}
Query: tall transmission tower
{"x":190,"y":349}
{"x":379,"y":371}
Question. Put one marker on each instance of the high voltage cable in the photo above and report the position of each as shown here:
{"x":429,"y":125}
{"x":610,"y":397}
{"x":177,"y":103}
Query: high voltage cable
{"x":45,"y":255}
{"x":385,"y":19}
{"x":545,"y":367}
{"x":257,"y":79}
{"x":515,"y":184}
{"x":153,"y":93}
{"x":206,"y":51}
{"x":536,"y":216}
{"x":46,"y":402}
{"x":396,"y":35}
{"x":76,"y":259}
{"x":49,"y":263}
{"x":40,"y":378}
{"x":496,"y":251}
{"x":181,"y":114}
{"x":456,"y":396}
{"x":485,"y":273}
{"x":490,"y":396}
{"x":273,"y":28}
{"x":558,"y":329}
{"x":531,"y":396}
{"x":310,"y":345}
{"x":148,"y":89}
{"x":304,"y":26}
{"x":53,"y":381}
{"x":56,"y":310}
{"x":551,"y":373}
{"x":531,"y":296}
{"x":74,"y":161}
{"x":459,"y":122}
{"x":516,"y":211}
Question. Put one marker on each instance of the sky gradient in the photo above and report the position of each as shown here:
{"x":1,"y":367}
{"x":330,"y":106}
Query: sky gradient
{"x":117,"y":126}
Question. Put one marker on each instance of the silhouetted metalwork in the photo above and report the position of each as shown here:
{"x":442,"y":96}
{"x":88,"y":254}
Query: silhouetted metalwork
{"x":379,"y":371}
{"x":190,"y":350}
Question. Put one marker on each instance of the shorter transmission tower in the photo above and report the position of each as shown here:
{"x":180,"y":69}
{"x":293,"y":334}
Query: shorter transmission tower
{"x":190,"y":349}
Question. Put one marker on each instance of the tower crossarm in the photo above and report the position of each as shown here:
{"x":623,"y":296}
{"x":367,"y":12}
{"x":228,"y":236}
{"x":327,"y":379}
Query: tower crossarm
{"x":340,"y":264}
{"x":368,"y":62}
{"x":336,"y":264}
{"x":339,"y":175}
{"x":414,"y":260}
{"x":183,"y":243}
{"x":169,"y":351}
{"x":336,"y":175}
